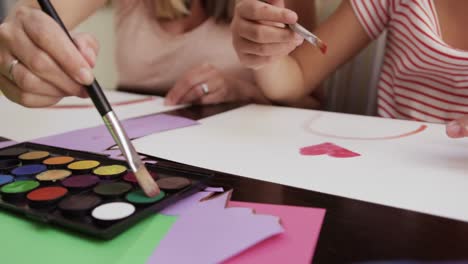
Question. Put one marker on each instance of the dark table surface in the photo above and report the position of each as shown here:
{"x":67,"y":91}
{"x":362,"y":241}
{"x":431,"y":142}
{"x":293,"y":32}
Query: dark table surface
{"x":354,"y":231}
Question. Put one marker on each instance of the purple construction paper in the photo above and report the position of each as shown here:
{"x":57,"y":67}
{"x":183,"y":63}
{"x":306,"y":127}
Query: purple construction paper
{"x":98,"y":139}
{"x":5,"y":144}
{"x":211,"y":233}
{"x":117,"y":154}
{"x":183,"y":206}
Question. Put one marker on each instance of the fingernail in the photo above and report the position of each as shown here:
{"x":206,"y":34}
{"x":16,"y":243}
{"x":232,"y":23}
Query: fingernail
{"x":86,"y":76}
{"x":454,"y":129}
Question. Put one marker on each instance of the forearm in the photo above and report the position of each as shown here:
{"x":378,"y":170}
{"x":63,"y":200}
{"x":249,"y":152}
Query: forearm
{"x":72,"y":12}
{"x":282,"y":81}
{"x":300,"y":73}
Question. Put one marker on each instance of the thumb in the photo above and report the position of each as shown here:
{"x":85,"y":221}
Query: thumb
{"x":88,"y":47}
{"x":458,"y":128}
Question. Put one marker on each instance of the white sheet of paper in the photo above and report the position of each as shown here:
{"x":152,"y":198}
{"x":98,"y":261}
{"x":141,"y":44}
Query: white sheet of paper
{"x":112,"y":96}
{"x":22,"y":124}
{"x":425,"y":172}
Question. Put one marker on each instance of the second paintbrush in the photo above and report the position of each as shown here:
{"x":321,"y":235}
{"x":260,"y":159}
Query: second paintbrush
{"x":306,"y":34}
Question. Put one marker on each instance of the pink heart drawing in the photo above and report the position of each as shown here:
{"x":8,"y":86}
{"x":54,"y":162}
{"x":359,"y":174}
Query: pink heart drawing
{"x":329,"y":149}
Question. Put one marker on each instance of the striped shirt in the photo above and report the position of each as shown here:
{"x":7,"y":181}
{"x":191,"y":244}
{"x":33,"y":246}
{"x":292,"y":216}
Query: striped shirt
{"x":422,"y":78}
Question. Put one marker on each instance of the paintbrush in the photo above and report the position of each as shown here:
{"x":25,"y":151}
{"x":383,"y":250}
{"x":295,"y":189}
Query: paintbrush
{"x":111,"y":121}
{"x":307,"y":35}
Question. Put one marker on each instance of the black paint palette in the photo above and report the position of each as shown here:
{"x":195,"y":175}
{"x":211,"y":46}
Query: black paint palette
{"x":85,"y":192}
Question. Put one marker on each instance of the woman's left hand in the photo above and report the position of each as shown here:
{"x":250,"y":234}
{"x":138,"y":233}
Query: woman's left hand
{"x":204,"y":84}
{"x":458,"y":128}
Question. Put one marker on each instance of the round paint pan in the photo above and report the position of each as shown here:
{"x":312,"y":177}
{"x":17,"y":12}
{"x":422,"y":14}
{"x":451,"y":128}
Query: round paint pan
{"x":173,"y":184}
{"x":16,"y":191}
{"x":58,"y":162}
{"x":46,"y":196}
{"x":6,"y":179}
{"x":113,"y":189}
{"x":83,"y":166}
{"x":28,"y":171}
{"x":131,"y":178}
{"x":9,"y":164}
{"x":34,"y":156}
{"x":140,"y":198}
{"x":78,"y":205}
{"x":80,"y":182}
{"x":51,"y":176}
{"x":110,"y":171}
{"x":109,"y":213}
{"x":12,"y":153}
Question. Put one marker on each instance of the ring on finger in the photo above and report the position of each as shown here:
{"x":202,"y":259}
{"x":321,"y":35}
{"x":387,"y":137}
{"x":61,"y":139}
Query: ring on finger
{"x":205,"y":88}
{"x":10,"y":70}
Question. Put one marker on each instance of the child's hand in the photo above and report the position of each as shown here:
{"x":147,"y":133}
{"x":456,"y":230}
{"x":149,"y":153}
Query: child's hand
{"x":259,"y":35}
{"x":458,"y":128}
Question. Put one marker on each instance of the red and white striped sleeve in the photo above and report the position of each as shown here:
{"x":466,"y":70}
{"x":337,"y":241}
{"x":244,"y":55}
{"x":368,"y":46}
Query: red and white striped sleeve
{"x":373,"y":15}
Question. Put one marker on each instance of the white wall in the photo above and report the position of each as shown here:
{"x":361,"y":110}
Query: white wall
{"x":352,"y":89}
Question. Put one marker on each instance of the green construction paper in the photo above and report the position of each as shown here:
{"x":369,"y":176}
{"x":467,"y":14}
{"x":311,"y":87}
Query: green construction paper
{"x":26,"y":241}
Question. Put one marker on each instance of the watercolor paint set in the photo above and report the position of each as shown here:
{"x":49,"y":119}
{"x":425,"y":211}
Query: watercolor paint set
{"x":85,"y":192}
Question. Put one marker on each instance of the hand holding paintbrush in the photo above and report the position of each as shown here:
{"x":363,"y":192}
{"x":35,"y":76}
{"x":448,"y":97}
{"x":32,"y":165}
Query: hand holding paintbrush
{"x":111,"y":121}
{"x":307,"y":35}
{"x":264,"y":31}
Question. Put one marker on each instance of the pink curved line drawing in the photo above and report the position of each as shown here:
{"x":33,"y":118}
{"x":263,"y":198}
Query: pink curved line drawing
{"x":307,"y":128}
{"x":129,"y":102}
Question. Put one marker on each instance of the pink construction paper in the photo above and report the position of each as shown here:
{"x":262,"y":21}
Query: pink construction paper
{"x":211,"y":233}
{"x":98,"y":139}
{"x":296,"y":245}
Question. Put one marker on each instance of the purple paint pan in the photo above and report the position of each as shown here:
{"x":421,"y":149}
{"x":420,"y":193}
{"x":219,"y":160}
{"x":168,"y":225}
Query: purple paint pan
{"x":80,"y":181}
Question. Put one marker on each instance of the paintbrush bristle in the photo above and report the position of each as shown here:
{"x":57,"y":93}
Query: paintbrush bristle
{"x":147,"y":183}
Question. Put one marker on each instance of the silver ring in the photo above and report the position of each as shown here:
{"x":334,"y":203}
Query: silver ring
{"x":10,"y":70}
{"x":205,"y":88}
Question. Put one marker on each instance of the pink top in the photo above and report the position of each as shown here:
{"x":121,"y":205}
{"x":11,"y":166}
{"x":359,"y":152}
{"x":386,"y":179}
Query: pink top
{"x":422,"y":77}
{"x":149,"y":57}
